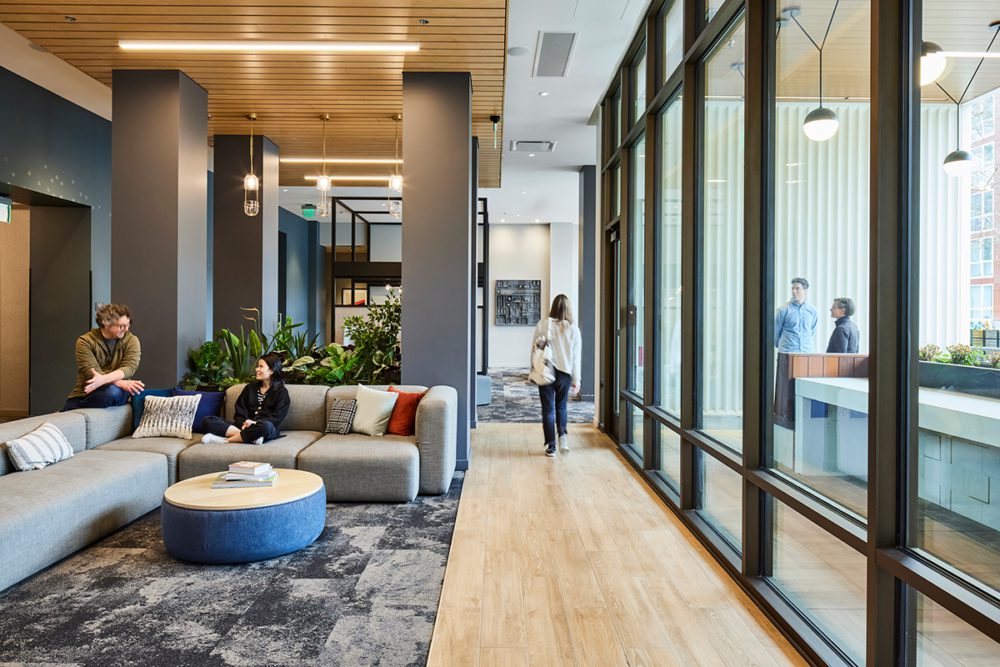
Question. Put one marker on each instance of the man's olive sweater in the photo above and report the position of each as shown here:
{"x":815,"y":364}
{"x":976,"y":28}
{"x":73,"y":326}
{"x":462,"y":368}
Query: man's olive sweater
{"x":91,"y":353}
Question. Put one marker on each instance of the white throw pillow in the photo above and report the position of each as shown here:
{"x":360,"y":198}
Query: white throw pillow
{"x":168,"y":417}
{"x":374,"y":411}
{"x":43,"y":446}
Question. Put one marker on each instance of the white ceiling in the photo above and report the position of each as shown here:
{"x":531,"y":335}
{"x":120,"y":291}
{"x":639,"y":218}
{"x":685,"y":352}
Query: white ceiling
{"x":545,"y":187}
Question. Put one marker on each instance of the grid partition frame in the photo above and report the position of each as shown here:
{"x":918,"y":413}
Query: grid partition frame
{"x":892,"y":568}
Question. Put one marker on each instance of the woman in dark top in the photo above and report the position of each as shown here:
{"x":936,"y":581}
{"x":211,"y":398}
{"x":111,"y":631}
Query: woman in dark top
{"x":845,"y":337}
{"x":260,"y":408}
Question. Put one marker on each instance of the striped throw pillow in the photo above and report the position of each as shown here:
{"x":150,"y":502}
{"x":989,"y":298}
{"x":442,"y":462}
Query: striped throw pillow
{"x":341,"y":416}
{"x":43,"y":446}
{"x":168,"y":417}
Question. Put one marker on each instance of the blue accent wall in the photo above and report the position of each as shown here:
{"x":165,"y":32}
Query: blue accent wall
{"x":53,"y":147}
{"x":300,"y":267}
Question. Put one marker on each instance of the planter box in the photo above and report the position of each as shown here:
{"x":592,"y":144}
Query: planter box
{"x":973,"y":380}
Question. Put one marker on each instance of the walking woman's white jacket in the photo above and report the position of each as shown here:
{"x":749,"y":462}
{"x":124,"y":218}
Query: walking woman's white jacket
{"x":565,"y":343}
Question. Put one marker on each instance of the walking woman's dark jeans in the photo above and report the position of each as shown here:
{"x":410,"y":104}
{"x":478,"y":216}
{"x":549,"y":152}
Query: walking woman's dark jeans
{"x":554,"y":397}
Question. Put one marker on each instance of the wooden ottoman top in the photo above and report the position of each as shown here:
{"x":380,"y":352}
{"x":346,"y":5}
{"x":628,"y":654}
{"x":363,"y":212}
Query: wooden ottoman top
{"x":197,"y":493}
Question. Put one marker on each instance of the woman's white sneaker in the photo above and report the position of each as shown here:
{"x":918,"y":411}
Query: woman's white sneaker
{"x":564,"y":444}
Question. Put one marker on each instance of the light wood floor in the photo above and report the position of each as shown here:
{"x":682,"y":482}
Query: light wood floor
{"x":573,"y":561}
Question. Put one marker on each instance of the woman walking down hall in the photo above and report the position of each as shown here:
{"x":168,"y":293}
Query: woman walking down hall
{"x":562,"y":334}
{"x":260,"y":408}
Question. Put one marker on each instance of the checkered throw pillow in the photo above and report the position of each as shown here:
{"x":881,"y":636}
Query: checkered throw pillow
{"x":341,"y":416}
{"x":43,"y":446}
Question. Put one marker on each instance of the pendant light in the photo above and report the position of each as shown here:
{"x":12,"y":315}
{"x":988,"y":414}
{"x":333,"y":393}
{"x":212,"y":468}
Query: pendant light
{"x":396,"y":180}
{"x":959,"y":162}
{"x":932,"y":63}
{"x":251,"y":184}
{"x":323,"y":183}
{"x":821,"y":123}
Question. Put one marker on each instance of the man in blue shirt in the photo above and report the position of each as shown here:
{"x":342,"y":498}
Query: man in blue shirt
{"x":795,"y":322}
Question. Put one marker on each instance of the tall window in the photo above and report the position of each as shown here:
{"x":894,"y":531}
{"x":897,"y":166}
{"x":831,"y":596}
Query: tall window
{"x":820,"y":255}
{"x":672,"y":29}
{"x":721,"y":259}
{"x":637,"y":265}
{"x":669,"y":265}
{"x":954,"y":518}
{"x":639,"y":85}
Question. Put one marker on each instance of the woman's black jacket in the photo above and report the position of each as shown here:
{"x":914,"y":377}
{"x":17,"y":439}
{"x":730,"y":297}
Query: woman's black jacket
{"x":274,"y":409}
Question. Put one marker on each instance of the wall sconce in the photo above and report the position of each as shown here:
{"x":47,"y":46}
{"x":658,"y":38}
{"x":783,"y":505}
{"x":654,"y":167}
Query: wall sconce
{"x":251,"y":184}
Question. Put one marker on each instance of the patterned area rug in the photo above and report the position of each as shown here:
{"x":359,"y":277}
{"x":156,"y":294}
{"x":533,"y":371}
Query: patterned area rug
{"x":365,"y":593}
{"x":516,"y":400}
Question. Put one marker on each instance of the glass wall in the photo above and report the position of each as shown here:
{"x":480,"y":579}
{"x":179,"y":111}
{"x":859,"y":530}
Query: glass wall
{"x":820,"y":252}
{"x":721,"y":256}
{"x":955,"y":489}
{"x":637,"y":266}
{"x":670,"y":253}
{"x":845,"y":274}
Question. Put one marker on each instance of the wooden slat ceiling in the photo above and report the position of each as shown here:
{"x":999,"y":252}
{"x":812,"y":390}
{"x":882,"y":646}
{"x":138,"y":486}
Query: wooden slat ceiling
{"x":289,"y":92}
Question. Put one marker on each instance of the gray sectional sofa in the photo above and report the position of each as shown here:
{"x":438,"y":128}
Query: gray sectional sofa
{"x":113,"y":479}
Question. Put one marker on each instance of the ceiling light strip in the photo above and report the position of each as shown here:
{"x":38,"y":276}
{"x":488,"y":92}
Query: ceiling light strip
{"x":316,"y":46}
{"x":339,"y":160}
{"x":351,"y":178}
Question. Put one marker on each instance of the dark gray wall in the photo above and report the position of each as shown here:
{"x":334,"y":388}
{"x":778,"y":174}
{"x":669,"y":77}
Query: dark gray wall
{"x":60,"y":301}
{"x":51,"y":146}
{"x":245,"y":249}
{"x":587,"y":293}
{"x":298,"y":258}
{"x":160,"y":156}
{"x":437,"y":237}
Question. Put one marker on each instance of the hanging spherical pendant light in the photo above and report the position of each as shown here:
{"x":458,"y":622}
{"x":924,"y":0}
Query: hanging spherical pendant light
{"x":821,"y":124}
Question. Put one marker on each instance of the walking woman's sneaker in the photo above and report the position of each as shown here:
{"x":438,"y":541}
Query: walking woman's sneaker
{"x":550,"y":450}
{"x":563,"y":443}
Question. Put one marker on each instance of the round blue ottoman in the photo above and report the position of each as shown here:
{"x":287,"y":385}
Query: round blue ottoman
{"x":205,"y":525}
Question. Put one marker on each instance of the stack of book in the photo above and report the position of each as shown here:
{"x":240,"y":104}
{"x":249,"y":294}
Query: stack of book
{"x":246,"y":474}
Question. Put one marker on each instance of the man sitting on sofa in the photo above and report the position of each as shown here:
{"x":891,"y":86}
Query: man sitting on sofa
{"x":106,"y":358}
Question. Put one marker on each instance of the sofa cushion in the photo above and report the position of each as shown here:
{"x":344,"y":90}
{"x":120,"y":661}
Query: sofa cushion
{"x":210,"y":405}
{"x":341,"y":416}
{"x":48,"y":514}
{"x":168,"y":447}
{"x":374,"y":411}
{"x":349,"y":391}
{"x":307,"y":407}
{"x":168,"y":417}
{"x":364,"y":469}
{"x":139,"y":403}
{"x":106,"y":424}
{"x":40,"y":448}
{"x":404,"y":413}
{"x":72,"y":425}
{"x":201,"y":458}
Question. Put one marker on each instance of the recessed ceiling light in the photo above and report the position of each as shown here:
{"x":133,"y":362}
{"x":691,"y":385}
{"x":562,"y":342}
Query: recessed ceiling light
{"x":531,"y":155}
{"x":523,"y":192}
{"x":518,"y":51}
{"x":69,"y":19}
{"x":254,"y":46}
{"x":424,"y":22}
{"x":537,"y":220}
{"x":544,"y":93}
{"x":517,"y":215}
{"x":340,"y":160}
{"x":284,"y":189}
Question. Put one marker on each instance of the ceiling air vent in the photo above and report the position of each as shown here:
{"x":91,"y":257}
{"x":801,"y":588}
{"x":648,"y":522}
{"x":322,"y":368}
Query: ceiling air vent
{"x":532,"y":146}
{"x":553,"y":52}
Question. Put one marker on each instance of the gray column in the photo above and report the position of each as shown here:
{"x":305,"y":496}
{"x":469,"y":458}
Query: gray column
{"x":245,"y":249}
{"x":437,"y":237}
{"x":159,"y":148}
{"x":589,"y":276}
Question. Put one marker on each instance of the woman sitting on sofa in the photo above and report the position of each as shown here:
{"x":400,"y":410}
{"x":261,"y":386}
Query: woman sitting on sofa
{"x":260,"y":408}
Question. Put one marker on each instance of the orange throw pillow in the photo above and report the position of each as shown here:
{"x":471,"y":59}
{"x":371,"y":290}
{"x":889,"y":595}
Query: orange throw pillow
{"x":404,"y":413}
